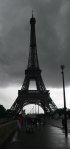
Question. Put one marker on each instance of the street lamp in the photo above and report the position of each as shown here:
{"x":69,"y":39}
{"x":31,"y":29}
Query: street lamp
{"x":65,"y":115}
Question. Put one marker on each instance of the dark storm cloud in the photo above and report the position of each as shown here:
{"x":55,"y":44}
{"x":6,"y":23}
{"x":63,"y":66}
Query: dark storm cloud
{"x":53,"y":39}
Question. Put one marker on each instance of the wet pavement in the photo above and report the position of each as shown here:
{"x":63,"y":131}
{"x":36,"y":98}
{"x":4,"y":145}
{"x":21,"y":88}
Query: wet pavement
{"x":43,"y":137}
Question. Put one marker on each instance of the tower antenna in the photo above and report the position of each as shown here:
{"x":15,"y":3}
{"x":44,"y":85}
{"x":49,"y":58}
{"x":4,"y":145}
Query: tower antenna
{"x":32,"y":13}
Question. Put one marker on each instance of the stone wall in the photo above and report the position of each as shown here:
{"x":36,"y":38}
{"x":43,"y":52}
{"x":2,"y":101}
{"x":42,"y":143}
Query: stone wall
{"x":6,"y":131}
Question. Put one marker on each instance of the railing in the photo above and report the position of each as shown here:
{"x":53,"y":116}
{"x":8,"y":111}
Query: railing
{"x":33,"y":91}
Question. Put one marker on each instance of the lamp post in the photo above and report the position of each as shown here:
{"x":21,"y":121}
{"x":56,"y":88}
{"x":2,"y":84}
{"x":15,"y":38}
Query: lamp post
{"x":65,"y":115}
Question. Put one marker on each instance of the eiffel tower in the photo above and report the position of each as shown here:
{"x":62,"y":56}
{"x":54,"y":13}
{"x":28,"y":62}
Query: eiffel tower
{"x":41,"y":96}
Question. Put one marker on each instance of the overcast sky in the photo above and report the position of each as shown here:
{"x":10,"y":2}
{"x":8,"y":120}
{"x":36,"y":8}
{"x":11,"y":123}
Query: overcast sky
{"x":53,"y":40}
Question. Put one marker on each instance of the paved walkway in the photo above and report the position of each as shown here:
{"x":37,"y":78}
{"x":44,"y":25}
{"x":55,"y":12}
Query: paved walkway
{"x":44,"y":137}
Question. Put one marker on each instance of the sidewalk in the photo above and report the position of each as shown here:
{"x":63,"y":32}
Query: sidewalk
{"x":58,"y":123}
{"x":45,"y":137}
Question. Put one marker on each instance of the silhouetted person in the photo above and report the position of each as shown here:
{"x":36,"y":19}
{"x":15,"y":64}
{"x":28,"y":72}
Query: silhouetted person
{"x":29,"y":124}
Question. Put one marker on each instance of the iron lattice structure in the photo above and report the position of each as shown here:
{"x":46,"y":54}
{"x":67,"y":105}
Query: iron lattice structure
{"x":40,"y":96}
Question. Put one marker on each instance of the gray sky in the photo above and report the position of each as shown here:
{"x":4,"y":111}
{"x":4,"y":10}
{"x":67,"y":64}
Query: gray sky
{"x":53,"y":39}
